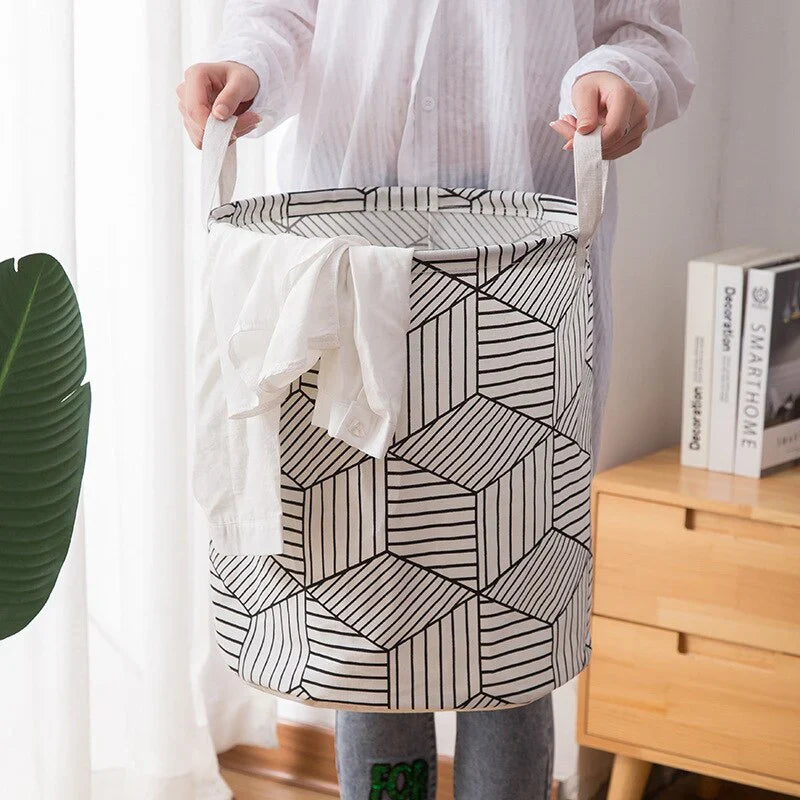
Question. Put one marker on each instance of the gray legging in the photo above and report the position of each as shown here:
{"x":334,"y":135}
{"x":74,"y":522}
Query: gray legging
{"x":505,"y":754}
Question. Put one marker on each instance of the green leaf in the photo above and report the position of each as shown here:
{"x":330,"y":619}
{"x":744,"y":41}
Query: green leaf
{"x":44,"y":426}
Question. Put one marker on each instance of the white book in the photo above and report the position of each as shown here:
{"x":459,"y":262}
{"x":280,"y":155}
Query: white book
{"x":768,"y":413}
{"x":726,"y":347}
{"x":697,"y":361}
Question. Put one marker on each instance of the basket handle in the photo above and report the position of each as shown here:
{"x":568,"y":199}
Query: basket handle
{"x":218,"y":164}
{"x":218,"y":171}
{"x":591,"y":176}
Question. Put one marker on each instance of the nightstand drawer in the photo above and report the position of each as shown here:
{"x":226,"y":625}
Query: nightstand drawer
{"x":695,"y":697}
{"x":699,"y":572}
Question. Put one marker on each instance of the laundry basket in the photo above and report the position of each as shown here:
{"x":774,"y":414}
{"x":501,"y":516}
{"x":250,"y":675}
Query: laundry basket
{"x":455,"y":573}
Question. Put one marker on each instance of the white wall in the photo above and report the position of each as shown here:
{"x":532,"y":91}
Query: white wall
{"x":760,"y":184}
{"x":726,"y":173}
{"x":668,"y":212}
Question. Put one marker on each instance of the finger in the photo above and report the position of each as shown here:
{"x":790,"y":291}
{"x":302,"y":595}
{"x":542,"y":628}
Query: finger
{"x":640,"y":111}
{"x":563,"y":128}
{"x":246,"y":123}
{"x":195,"y":136}
{"x":188,"y":122}
{"x":187,"y":117}
{"x":614,"y":152}
{"x":194,"y":130}
{"x":245,"y":131}
{"x":635,"y":133}
{"x":233,"y":94}
{"x":619,"y":105}
{"x":586,"y":99}
{"x":638,"y":130}
{"x":626,"y":147}
{"x":196,"y":94}
{"x":573,"y":123}
{"x":623,"y":151}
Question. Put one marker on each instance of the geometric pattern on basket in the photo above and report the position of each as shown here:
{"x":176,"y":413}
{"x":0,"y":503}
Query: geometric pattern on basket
{"x":455,"y":573}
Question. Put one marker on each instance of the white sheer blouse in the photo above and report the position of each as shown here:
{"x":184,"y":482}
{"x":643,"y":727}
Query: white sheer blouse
{"x":452,"y":93}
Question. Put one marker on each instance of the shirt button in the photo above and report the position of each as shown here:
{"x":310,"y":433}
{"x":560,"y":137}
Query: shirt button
{"x":428,"y":103}
{"x":356,"y":428}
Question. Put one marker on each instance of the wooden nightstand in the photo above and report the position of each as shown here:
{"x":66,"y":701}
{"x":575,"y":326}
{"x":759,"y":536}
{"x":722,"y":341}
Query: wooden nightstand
{"x":696,"y":625}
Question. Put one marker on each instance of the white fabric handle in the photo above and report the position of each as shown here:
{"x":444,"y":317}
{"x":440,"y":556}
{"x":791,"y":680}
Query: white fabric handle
{"x":218,"y":164}
{"x":218,"y":170}
{"x":591,"y":176}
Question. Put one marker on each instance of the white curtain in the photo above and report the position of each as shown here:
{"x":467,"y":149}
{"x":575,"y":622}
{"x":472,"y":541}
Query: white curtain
{"x":116,"y":691}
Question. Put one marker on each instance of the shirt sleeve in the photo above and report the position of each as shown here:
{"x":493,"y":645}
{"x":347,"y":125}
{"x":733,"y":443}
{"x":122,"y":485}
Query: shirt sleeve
{"x":273,"y":38}
{"x":642,"y":42}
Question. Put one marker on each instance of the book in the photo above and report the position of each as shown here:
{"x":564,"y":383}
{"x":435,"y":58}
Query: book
{"x":768,"y":412}
{"x":697,"y":357}
{"x":726,"y":347}
{"x":697,"y":362}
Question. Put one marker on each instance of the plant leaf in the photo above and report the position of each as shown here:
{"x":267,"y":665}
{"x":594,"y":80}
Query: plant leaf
{"x":44,"y":426}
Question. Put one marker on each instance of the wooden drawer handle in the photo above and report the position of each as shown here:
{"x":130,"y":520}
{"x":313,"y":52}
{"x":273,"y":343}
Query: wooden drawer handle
{"x":691,"y":645}
{"x":712,"y":522}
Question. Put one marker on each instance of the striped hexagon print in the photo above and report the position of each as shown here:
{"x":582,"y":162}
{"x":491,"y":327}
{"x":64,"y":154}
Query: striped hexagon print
{"x":455,"y":573}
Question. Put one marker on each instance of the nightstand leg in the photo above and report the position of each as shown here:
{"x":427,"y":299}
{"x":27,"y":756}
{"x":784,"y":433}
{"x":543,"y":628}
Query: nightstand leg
{"x":628,"y":778}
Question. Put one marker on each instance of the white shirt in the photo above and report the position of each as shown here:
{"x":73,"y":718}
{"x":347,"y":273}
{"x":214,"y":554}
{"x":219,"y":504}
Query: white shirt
{"x":275,"y":306}
{"x":453,"y":93}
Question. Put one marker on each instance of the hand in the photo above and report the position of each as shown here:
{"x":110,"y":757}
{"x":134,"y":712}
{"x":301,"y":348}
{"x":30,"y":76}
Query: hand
{"x":607,"y":98}
{"x":230,"y":86}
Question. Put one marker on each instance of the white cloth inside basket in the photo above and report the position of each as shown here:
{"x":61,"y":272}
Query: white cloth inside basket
{"x":281,"y":303}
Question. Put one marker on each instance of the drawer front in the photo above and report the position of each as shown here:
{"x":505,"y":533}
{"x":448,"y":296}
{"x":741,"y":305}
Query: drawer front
{"x":695,"y":697}
{"x":699,"y":572}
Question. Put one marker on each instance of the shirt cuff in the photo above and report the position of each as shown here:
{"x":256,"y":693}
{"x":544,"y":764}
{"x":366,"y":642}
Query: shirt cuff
{"x":354,"y":423}
{"x":256,"y":538}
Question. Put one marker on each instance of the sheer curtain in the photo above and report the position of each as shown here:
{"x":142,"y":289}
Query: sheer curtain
{"x":116,"y":690}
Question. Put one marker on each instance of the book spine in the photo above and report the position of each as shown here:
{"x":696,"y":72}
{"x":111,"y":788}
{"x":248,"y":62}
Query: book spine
{"x":753,"y":372}
{"x":725,"y":367}
{"x":697,"y":363}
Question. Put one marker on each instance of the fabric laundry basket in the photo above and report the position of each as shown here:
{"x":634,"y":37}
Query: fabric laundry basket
{"x":455,"y":573}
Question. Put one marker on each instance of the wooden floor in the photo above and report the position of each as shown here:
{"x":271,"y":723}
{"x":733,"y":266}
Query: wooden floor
{"x":247,"y":787}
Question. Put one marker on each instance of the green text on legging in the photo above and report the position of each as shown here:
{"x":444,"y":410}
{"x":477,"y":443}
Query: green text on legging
{"x":385,"y":778}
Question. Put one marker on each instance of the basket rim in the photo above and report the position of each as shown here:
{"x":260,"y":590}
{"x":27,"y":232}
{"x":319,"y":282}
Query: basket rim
{"x":461,"y":200}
